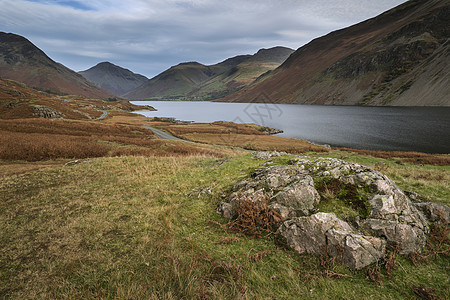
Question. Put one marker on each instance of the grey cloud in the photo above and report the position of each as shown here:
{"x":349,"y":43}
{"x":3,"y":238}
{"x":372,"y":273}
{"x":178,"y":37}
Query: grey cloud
{"x":148,"y":36}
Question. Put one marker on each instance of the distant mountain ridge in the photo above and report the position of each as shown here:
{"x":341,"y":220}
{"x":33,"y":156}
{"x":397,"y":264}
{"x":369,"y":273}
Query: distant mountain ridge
{"x":400,"y":57}
{"x":113,"y":78}
{"x":195,"y":81}
{"x":22,"y":61}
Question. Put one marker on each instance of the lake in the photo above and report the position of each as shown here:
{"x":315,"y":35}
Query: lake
{"x":423,"y":129}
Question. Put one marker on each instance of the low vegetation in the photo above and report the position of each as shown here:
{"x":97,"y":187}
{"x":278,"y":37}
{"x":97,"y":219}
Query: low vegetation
{"x":133,"y":217}
{"x":146,"y":228}
{"x":238,"y":135}
{"x":42,"y":139}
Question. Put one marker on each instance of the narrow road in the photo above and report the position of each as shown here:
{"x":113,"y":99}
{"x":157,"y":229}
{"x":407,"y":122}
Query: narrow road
{"x":162,"y":134}
{"x":105,"y":113}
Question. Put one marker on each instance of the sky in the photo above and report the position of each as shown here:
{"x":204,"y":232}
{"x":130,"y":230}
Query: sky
{"x":149,"y":36}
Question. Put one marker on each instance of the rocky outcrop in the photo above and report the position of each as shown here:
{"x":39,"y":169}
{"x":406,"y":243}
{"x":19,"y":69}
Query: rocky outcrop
{"x":46,"y":112}
{"x":435,"y":212}
{"x":383,"y":215}
{"x":324,"y":233}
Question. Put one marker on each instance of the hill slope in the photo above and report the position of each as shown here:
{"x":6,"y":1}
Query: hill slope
{"x":398,"y":58}
{"x":112,"y":78}
{"x":22,"y":61}
{"x":194,"y":81}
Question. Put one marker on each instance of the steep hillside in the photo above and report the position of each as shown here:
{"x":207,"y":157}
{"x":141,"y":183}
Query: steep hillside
{"x":174,"y":82}
{"x":194,"y":81}
{"x":398,"y":58}
{"x":17,"y":101}
{"x":112,"y":78}
{"x":22,"y":61}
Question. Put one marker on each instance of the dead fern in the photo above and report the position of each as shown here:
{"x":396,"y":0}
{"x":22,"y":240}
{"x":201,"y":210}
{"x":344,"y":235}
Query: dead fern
{"x":254,"y":217}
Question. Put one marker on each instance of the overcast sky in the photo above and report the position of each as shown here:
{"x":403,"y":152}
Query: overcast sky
{"x":149,"y":36}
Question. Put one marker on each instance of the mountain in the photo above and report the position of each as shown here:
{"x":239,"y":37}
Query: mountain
{"x":195,"y":81}
{"x":400,"y":57}
{"x":113,"y":78}
{"x":22,"y":61}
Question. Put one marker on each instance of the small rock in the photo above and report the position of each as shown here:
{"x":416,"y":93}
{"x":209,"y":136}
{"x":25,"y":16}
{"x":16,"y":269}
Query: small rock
{"x":406,"y":238}
{"x":226,"y":210}
{"x":299,"y":198}
{"x":435,"y":212}
{"x":268,"y":154}
{"x":46,"y":112}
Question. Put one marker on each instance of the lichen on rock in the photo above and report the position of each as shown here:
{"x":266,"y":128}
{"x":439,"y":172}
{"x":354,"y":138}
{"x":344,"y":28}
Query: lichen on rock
{"x":376,"y":213}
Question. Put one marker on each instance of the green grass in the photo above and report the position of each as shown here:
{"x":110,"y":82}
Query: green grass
{"x":146,"y":228}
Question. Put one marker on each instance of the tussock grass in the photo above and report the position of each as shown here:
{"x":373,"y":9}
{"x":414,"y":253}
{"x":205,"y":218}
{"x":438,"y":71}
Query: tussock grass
{"x":411,"y":157}
{"x":34,"y":146}
{"x":247,"y":136}
{"x":256,"y":142}
{"x":146,"y":228}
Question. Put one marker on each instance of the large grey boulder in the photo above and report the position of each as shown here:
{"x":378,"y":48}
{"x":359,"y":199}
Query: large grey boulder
{"x":324,"y":233}
{"x":390,"y":217}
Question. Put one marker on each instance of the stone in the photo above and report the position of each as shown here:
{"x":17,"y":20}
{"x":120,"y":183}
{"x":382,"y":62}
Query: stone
{"x":258,"y":198}
{"x":307,"y":234}
{"x":268,"y":154}
{"x":354,"y":250}
{"x":226,"y":210}
{"x":299,"y":198}
{"x":406,"y":238}
{"x":394,"y":219}
{"x":435,"y":212}
{"x":324,"y":233}
{"x":46,"y":112}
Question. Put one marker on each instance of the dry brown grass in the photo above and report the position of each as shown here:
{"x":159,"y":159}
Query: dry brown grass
{"x":209,"y":128}
{"x":411,"y":157}
{"x":37,"y":146}
{"x":73,"y":128}
{"x":9,"y":168}
{"x":42,"y":139}
{"x":256,"y":142}
{"x":168,"y":149}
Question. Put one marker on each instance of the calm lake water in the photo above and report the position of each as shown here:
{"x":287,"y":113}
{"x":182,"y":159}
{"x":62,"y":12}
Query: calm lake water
{"x":424,"y":129}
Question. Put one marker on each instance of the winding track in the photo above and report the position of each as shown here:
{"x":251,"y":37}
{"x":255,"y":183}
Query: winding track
{"x":104,"y":114}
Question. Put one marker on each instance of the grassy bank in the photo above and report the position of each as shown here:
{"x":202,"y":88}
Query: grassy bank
{"x":146,"y":228}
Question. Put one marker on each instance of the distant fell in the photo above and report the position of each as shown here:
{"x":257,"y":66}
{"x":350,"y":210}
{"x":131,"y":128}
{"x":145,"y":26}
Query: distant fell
{"x":114,"y":79}
{"x":21,"y":60}
{"x":195,"y":81}
{"x":400,"y":57}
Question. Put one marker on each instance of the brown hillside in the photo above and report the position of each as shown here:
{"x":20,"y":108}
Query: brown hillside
{"x":398,"y":58}
{"x":22,"y":61}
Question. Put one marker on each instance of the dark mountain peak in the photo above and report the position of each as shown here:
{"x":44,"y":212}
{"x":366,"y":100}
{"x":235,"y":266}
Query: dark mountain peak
{"x":15,"y":49}
{"x":11,"y":37}
{"x":22,"y":61}
{"x":275,"y":49}
{"x":190,"y":64}
{"x":275,"y":54}
{"x":193,"y":80}
{"x":106,"y":65}
{"x":113,"y":78}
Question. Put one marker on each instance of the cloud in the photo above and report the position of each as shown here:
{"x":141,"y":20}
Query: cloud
{"x":148,"y":36}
